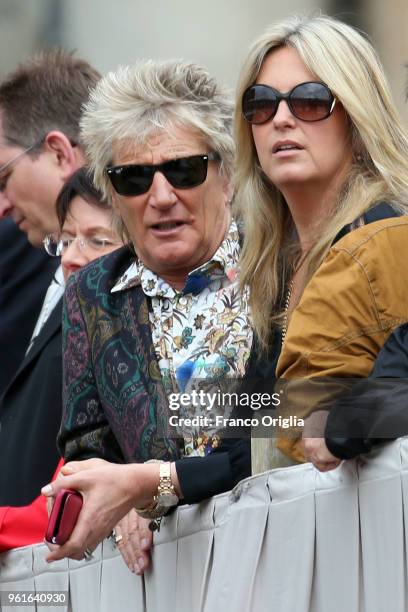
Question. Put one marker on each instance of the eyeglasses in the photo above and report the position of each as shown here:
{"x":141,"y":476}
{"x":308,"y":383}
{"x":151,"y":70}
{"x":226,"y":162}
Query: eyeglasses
{"x":182,"y":173}
{"x":58,"y":246}
{"x":311,"y":101}
{"x":17,"y":157}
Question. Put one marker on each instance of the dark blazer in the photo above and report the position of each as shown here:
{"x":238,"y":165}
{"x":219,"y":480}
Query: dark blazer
{"x":115,"y":405}
{"x":30,"y":415}
{"x":25,"y":274}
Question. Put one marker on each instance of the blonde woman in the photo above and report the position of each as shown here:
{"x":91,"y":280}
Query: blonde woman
{"x":322,"y":182}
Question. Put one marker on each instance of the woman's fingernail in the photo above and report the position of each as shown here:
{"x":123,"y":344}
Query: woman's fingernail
{"x":46,"y":490}
{"x":137,"y":568}
{"x":144,"y":542}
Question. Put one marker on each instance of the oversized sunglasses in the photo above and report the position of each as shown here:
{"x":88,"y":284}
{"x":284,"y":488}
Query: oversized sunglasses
{"x":311,"y":101}
{"x":181,"y":173}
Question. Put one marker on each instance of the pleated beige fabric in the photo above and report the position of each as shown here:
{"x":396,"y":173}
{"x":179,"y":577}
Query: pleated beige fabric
{"x":291,"y":539}
{"x":102,"y":584}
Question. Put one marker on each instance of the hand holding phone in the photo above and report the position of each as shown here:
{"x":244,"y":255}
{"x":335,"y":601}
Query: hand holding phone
{"x":63,"y":517}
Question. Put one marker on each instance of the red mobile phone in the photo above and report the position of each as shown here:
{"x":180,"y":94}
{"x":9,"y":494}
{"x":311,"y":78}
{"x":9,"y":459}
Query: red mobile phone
{"x":64,"y":515}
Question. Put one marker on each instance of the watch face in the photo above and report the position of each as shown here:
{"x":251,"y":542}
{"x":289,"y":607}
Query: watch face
{"x":168,"y":500}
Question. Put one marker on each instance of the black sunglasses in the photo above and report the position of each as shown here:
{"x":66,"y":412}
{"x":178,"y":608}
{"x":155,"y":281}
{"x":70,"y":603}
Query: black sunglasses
{"x":182,"y":173}
{"x":311,"y":101}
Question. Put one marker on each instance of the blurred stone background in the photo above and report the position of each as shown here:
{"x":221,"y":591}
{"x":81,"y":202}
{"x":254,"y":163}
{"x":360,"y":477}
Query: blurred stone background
{"x":215,"y":33}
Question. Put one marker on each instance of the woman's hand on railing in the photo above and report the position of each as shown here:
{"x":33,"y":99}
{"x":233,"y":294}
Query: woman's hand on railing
{"x":314,"y":444}
{"x":317,"y":453}
{"x":134,"y":540}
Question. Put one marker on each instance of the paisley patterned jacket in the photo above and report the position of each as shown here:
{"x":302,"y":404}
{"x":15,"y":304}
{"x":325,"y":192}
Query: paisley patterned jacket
{"x":115,"y":406}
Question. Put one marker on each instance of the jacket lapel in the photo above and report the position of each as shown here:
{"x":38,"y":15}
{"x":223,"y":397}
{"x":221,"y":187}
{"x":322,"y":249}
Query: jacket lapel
{"x":147,"y":403}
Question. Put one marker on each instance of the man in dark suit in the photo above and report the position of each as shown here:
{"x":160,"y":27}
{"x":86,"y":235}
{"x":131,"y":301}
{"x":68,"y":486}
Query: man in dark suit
{"x":40,"y":106}
{"x":25,"y":273}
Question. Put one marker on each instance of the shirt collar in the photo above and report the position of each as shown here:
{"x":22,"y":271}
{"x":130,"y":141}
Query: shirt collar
{"x":224,"y":263}
{"x":59,"y":277}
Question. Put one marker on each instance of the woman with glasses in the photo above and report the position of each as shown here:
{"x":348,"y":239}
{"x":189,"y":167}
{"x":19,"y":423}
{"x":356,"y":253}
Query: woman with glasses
{"x":143,"y":326}
{"x":322,"y":182}
{"x":85,"y":219}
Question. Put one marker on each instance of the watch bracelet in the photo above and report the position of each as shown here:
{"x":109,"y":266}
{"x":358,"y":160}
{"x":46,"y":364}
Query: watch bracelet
{"x":156,"y":510}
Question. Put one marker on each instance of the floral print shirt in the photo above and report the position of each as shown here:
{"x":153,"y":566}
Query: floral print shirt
{"x":200,"y":332}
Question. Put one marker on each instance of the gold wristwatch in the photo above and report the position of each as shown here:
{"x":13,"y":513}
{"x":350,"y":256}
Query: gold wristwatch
{"x":165,"y":498}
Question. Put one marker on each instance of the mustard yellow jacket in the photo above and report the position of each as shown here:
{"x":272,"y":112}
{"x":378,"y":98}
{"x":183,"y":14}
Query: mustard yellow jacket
{"x":357,"y":297}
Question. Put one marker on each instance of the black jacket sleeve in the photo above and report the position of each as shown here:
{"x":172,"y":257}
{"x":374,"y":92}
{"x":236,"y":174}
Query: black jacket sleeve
{"x":377,"y":408}
{"x":203,"y":477}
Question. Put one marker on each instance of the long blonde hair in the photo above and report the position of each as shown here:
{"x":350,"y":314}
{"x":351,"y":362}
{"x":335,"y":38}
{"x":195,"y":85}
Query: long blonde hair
{"x":343,"y":59}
